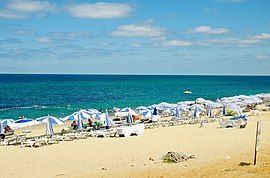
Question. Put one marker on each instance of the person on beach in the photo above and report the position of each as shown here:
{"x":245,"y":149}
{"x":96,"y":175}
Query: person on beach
{"x":8,"y":129}
{"x":90,"y":123}
{"x":74,"y":125}
{"x":2,"y":137}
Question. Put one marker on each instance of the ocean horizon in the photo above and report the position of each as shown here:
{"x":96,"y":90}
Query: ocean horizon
{"x":35,"y":95}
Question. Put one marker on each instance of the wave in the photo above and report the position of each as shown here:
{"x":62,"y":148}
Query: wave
{"x":38,"y":107}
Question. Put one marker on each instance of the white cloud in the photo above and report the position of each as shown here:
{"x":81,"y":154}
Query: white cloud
{"x":100,"y":10}
{"x":43,"y":40}
{"x":11,"y":15}
{"x":31,"y":6}
{"x":139,"y":30}
{"x":178,"y":43}
{"x":58,"y":34}
{"x":262,"y":57}
{"x":20,"y":9}
{"x":262,"y":36}
{"x":208,"y":30}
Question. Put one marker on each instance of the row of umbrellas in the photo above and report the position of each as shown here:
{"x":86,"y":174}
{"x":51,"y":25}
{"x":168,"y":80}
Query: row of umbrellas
{"x":51,"y":120}
{"x":152,"y":112}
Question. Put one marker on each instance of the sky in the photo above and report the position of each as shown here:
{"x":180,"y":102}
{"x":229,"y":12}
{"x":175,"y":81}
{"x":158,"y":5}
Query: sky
{"x":212,"y":37}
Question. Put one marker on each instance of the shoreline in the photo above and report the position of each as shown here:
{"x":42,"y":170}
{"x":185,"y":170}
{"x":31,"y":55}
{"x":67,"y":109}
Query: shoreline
{"x":103,"y":110}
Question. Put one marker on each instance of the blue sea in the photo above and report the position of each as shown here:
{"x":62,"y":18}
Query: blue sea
{"x":59,"y":95}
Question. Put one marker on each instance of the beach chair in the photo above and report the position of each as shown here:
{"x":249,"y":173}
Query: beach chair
{"x":32,"y":143}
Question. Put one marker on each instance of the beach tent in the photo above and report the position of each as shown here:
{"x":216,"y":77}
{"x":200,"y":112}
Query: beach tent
{"x":108,"y":122}
{"x":24,"y":123}
{"x":125,"y":112}
{"x":49,"y":120}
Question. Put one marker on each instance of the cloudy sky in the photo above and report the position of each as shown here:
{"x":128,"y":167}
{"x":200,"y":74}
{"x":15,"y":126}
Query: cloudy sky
{"x":135,"y":37}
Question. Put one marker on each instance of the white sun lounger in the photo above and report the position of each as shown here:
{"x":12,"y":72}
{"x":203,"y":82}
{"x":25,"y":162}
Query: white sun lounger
{"x":127,"y":131}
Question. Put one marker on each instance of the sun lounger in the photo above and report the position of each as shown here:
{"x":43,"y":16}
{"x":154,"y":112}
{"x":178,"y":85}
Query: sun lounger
{"x":237,"y":122}
{"x":127,"y":131}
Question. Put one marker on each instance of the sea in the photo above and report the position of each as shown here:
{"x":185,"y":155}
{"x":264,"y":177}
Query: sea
{"x":36,"y":95}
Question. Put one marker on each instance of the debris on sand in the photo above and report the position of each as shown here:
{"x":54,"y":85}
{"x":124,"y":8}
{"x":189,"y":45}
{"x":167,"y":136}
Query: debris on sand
{"x":174,"y":157}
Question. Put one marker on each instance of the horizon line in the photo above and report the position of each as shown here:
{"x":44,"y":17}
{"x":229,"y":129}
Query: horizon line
{"x":134,"y":74}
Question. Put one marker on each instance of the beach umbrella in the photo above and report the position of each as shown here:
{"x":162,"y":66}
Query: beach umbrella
{"x":224,"y":111}
{"x":141,"y":108}
{"x":129,"y":119}
{"x":93,"y":113}
{"x":177,"y":112}
{"x":125,"y":112}
{"x":78,"y":116}
{"x":79,"y":122}
{"x":1,"y":127}
{"x":155,"y":112}
{"x":8,"y":122}
{"x":24,"y":123}
{"x":169,"y":111}
{"x":197,"y":110}
{"x":209,"y":113}
{"x":147,"y":113}
{"x":108,"y":122}
{"x":49,"y":120}
{"x":235,"y":108}
{"x":84,"y":114}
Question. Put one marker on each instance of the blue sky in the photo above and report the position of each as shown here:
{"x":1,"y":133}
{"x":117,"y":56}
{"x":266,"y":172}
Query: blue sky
{"x":135,"y":37}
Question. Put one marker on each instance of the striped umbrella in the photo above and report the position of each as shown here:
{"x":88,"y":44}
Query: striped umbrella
{"x":129,"y":119}
{"x":108,"y":122}
{"x":49,"y":120}
{"x":1,"y":127}
{"x":209,"y":113}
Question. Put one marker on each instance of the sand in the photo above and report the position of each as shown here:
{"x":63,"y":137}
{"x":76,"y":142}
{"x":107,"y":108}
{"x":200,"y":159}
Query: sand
{"x":218,"y":153}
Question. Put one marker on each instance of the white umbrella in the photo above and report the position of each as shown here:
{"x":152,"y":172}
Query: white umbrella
{"x":169,"y":111}
{"x":8,"y":122}
{"x":125,"y":112}
{"x":141,"y":108}
{"x":197,"y":110}
{"x":177,"y":112}
{"x":84,"y":114}
{"x":1,"y":127}
{"x":49,"y":120}
{"x":147,"y":113}
{"x":235,"y":108}
{"x":78,"y":116}
{"x":108,"y":122}
{"x":209,"y":113}
{"x":24,"y":123}
{"x":129,"y":119}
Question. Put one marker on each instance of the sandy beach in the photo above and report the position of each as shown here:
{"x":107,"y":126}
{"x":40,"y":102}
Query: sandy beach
{"x":218,"y":153}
